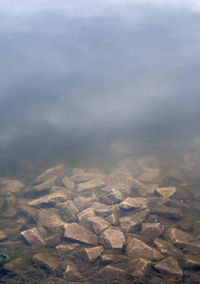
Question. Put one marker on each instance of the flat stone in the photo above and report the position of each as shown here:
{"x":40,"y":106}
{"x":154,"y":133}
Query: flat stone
{"x":168,"y":212}
{"x":46,"y":175}
{"x":91,"y":185}
{"x":113,"y":239}
{"x":49,"y":199}
{"x":67,"y":247}
{"x":112,"y":197}
{"x":139,"y":267}
{"x":34,"y":238}
{"x":78,"y":233}
{"x":166,"y":192}
{"x":106,"y":258}
{"x":50,"y":220}
{"x":45,"y":259}
{"x":3,"y":236}
{"x":180,"y":237}
{"x":83,"y":202}
{"x":98,"y":224}
{"x":46,"y":185}
{"x":169,"y":266}
{"x":152,"y":230}
{"x":91,"y":254}
{"x":72,"y":272}
{"x":10,"y":186}
{"x":131,"y":203}
{"x":136,"y":249}
{"x":102,"y":209}
{"x":68,"y":183}
{"x":112,"y":273}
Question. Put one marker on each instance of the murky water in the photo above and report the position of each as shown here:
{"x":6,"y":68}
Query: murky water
{"x":99,"y":142}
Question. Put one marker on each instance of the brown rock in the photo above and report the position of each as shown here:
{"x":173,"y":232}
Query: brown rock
{"x":83,"y":202}
{"x":49,"y":199}
{"x":152,"y":230}
{"x":167,"y":248}
{"x":112,"y":273}
{"x":10,"y":186}
{"x":150,"y":175}
{"x":136,"y":248}
{"x":133,"y":203}
{"x":91,"y":254}
{"x":67,"y":247}
{"x":17,"y":266}
{"x":53,"y":240}
{"x":113,"y":219}
{"x":68,"y":183}
{"x":139,"y":267}
{"x":91,"y":185}
{"x":45,"y":259}
{"x":49,"y":173}
{"x":50,"y":220}
{"x":166,"y":192}
{"x":46,"y":185}
{"x":102,"y":209}
{"x":98,"y":224}
{"x":168,"y":212}
{"x":78,"y":233}
{"x":72,"y":272}
{"x":34,"y":238}
{"x":169,"y":266}
{"x":112,"y":258}
{"x":85,"y":177}
{"x":180,"y":237}
{"x":130,"y":224}
{"x":3,"y":236}
{"x":112,"y":197}
{"x":113,"y":239}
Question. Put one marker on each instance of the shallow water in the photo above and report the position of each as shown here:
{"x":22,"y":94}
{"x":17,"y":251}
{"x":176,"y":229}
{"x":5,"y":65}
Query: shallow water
{"x":109,"y":91}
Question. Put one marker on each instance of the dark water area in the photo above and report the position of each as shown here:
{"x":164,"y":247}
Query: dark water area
{"x":99,"y":141}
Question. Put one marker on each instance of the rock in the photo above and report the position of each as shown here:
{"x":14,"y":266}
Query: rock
{"x":151,"y":175}
{"x":3,"y":236}
{"x":113,"y":219}
{"x":49,"y":173}
{"x":168,"y":212}
{"x":192,"y":262}
{"x":148,"y":162}
{"x":102,"y":209}
{"x":50,"y":220}
{"x":112,"y":197}
{"x":46,"y":185}
{"x":68,"y":209}
{"x":78,"y":233}
{"x":152,"y":230}
{"x":106,"y":258}
{"x":77,"y":171}
{"x":139,"y":267}
{"x":91,"y":185}
{"x":147,"y":190}
{"x":98,"y":224}
{"x":85,"y":177}
{"x":49,"y":199}
{"x":166,"y":192}
{"x":34,"y":238}
{"x":57,"y":188}
{"x":91,"y":254}
{"x":72,"y":272}
{"x":53,"y":240}
{"x":169,"y":266}
{"x":113,"y":239}
{"x":156,"y":202}
{"x":180,"y":237}
{"x":68,"y":183}
{"x":17,"y":266}
{"x":11,"y":207}
{"x":130,"y":224}
{"x":9,"y":186}
{"x":167,"y":248}
{"x":45,"y":259}
{"x":83,"y":202}
{"x":112,"y":273}
{"x":67,"y":247}
{"x":136,"y":249}
{"x":84,"y":215}
{"x":133,"y":203}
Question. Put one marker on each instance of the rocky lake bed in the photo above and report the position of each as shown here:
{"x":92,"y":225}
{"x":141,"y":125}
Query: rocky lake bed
{"x":137,"y":223}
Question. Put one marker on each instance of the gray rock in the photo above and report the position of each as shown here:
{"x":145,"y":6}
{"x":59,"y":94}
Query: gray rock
{"x":49,"y":173}
{"x":83,"y":202}
{"x":112,"y":273}
{"x":49,"y":199}
{"x":68,"y":209}
{"x":152,"y":230}
{"x":168,"y":212}
{"x":169,"y":266}
{"x":78,"y":233}
{"x":45,"y":259}
{"x":136,"y":249}
{"x":112,"y":197}
{"x":166,"y":192}
{"x":91,"y":185}
{"x":53,"y":240}
{"x":113,"y":219}
{"x":139,"y":267}
{"x":167,"y":248}
{"x":72,"y":272}
{"x":133,"y":203}
{"x":91,"y":254}
{"x":84,"y":215}
{"x":130,"y":224}
{"x":98,"y":224}
{"x":68,"y":183}
{"x":102,"y":209}
{"x":34,"y":238}
{"x":113,"y":239}
{"x":107,"y":258}
{"x":50,"y":220}
{"x":67,"y":247}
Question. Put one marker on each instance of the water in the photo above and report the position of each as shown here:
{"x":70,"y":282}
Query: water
{"x":99,"y":86}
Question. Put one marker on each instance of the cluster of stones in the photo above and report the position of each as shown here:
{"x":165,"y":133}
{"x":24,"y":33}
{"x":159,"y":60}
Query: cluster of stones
{"x":126,"y":222}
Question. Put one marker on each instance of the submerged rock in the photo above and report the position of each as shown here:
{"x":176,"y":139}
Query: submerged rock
{"x":91,"y":254}
{"x":9,"y":186}
{"x":169,"y":266}
{"x":90,"y":185}
{"x":168,"y":212}
{"x":152,"y":230}
{"x":112,"y":273}
{"x":78,"y":233}
{"x":113,"y":239}
{"x":98,"y":224}
{"x":112,"y":197}
{"x":136,"y":249}
{"x":49,"y":199}
{"x":130,"y":224}
{"x":3,"y":236}
{"x":68,"y":183}
{"x":46,"y":185}
{"x":17,"y":266}
{"x":139,"y":267}
{"x":49,"y":173}
{"x":34,"y":238}
{"x":166,"y":192}
{"x":102,"y":209}
{"x":50,"y":220}
{"x":150,"y":175}
{"x":72,"y":272}
{"x":131,"y":203}
{"x":45,"y":259}
{"x":67,"y":247}
{"x":83,"y":202}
